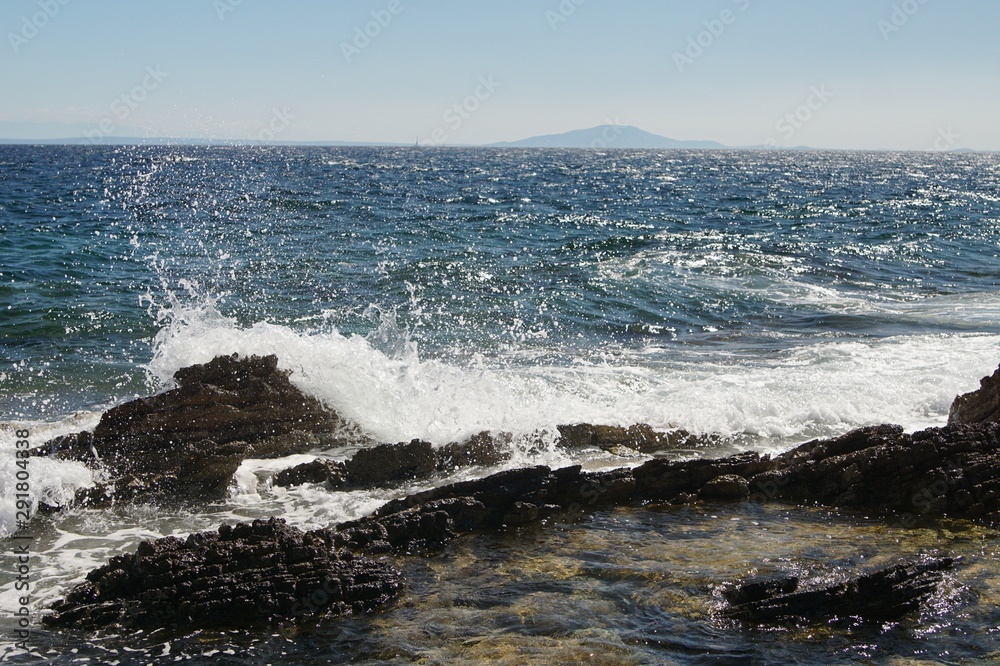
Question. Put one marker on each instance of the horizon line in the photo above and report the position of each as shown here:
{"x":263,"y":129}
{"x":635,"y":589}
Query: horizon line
{"x":127,"y":141}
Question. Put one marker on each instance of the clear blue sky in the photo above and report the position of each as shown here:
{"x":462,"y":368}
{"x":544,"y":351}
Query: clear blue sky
{"x":880,"y":74}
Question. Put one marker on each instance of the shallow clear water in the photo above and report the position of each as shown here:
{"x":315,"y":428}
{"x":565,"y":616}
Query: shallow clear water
{"x":623,"y":586}
{"x":771,"y":297}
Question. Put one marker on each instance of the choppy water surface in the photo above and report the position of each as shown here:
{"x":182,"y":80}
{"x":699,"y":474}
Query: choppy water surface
{"x":770,"y":297}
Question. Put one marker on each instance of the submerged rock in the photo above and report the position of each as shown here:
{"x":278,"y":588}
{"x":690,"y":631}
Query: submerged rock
{"x":979,"y":406}
{"x":242,"y":574}
{"x":880,"y":596}
{"x":187,"y":443}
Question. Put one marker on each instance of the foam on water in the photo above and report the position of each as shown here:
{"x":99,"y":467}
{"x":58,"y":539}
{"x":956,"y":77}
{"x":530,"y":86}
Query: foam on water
{"x":50,"y":481}
{"x":821,"y":388}
{"x":767,"y":402}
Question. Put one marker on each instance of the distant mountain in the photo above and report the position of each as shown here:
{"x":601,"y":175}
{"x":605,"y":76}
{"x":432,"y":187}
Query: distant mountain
{"x":606,"y":136}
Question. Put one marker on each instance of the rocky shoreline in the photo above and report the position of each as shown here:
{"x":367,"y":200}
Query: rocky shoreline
{"x":187,"y":443}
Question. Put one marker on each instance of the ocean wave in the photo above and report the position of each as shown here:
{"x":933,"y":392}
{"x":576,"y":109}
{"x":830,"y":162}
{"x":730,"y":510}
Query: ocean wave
{"x":825,"y":387}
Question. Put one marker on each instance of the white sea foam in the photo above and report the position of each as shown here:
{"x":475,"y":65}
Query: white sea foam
{"x":48,"y":480}
{"x":815,"y":389}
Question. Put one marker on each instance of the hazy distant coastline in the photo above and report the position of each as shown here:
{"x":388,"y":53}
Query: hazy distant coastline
{"x":600,"y":137}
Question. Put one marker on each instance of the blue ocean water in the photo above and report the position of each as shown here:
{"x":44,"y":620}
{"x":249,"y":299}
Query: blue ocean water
{"x":770,"y":297}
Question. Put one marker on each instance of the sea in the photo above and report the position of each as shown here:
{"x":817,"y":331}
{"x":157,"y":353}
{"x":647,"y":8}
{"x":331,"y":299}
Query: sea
{"x":766,"y":297}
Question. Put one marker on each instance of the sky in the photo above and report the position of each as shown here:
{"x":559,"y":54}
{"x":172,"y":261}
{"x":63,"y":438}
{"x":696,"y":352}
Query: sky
{"x":839,"y":74}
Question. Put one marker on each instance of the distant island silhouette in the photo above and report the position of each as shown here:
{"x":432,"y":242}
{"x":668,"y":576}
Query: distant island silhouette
{"x":606,"y":136}
{"x":609,"y":136}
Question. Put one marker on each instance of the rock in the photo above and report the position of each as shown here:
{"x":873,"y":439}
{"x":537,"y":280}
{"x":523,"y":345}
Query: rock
{"x":427,"y":525}
{"x":318,"y":471}
{"x":726,"y":487}
{"x":980,"y":406}
{"x":227,"y":399}
{"x":639,"y":437}
{"x":665,"y":480}
{"x":263,"y":571}
{"x":953,"y":471}
{"x":187,"y":443}
{"x":497,"y":492}
{"x":391,"y":462}
{"x":759,"y":590}
{"x":483,"y":449}
{"x":880,"y":596}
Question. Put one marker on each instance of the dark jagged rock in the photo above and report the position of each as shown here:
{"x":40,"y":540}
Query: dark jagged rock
{"x":391,"y":462}
{"x":427,"y":525}
{"x":666,"y":479}
{"x":953,"y":471}
{"x":880,"y":596}
{"x":225,"y":400}
{"x":639,"y":437}
{"x":484,"y":449}
{"x":330,"y":472}
{"x":496,"y":492}
{"x":187,"y":443}
{"x":726,"y":487}
{"x":242,"y":574}
{"x":507,"y":498}
{"x":979,"y":406}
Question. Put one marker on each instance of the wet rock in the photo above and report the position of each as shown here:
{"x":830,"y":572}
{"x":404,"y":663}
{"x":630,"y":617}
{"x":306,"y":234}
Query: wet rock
{"x":391,"y":462}
{"x":639,"y":437}
{"x":227,"y":399}
{"x":497,"y":492}
{"x":726,"y":487}
{"x":331,"y":472}
{"x":521,"y":513}
{"x":979,"y":406}
{"x":74,"y":446}
{"x":483,"y":449}
{"x":667,"y":479}
{"x":427,"y":525}
{"x":880,"y":596}
{"x":187,"y":443}
{"x":953,"y":471}
{"x":263,"y":571}
{"x":759,"y":590}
